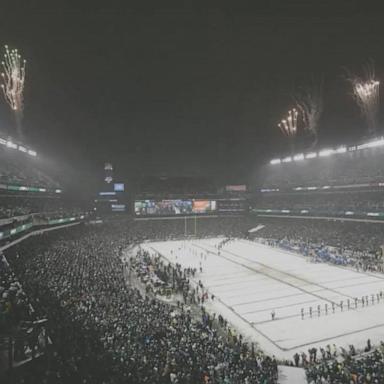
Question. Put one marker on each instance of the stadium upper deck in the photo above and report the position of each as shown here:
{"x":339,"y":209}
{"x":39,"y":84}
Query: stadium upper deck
{"x":19,"y":166}
{"x":360,"y":165}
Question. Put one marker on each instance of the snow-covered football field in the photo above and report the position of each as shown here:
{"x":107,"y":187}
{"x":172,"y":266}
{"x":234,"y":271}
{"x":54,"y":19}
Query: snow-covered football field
{"x":250,"y":280}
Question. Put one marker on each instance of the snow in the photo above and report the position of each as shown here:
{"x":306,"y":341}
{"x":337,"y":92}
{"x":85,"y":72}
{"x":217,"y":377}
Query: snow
{"x":291,"y":375}
{"x":250,"y":280}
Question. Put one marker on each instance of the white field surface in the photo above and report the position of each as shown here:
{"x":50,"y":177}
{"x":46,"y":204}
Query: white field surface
{"x":250,"y":280}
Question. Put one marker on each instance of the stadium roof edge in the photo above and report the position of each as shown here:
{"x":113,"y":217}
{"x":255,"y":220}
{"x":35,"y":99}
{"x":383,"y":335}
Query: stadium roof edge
{"x":326,"y":152}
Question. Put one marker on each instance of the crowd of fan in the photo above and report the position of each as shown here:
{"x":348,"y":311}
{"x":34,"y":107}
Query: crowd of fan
{"x":159,"y":277}
{"x":15,"y":206}
{"x":14,"y":304}
{"x":164,"y":278}
{"x":358,"y":236}
{"x":9,"y":211}
{"x":18,"y":168}
{"x":346,"y":367}
{"x":104,"y":331}
{"x":340,"y":242}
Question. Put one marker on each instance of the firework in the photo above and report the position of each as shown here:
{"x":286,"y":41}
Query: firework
{"x":309,"y":101}
{"x":289,"y":125}
{"x":366,"y":94}
{"x":13,"y":77}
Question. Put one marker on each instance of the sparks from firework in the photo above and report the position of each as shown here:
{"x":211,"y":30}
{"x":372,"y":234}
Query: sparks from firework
{"x":309,"y":101}
{"x":289,"y":125}
{"x":366,"y":94}
{"x":13,"y":77}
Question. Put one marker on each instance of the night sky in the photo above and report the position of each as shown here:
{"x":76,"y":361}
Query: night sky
{"x":183,"y":91}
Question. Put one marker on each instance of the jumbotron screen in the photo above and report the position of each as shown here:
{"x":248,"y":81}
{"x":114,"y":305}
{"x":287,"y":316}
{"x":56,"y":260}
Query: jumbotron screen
{"x":173,"y":207}
{"x":203,"y":206}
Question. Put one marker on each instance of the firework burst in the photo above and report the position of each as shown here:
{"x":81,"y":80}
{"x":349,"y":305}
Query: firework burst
{"x":288,"y":126}
{"x":13,"y":77}
{"x":367,"y":96}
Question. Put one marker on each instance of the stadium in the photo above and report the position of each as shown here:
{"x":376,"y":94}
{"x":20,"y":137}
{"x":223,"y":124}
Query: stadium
{"x":191,"y":221}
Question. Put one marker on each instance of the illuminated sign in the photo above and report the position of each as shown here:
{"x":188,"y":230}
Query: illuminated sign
{"x":119,"y":187}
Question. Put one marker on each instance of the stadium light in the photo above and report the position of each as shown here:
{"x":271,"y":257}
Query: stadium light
{"x":311,"y":188}
{"x":341,"y":150}
{"x":326,"y":187}
{"x":297,"y":188}
{"x":298,"y":157}
{"x":285,"y":211}
{"x":11,"y":145}
{"x":349,"y":213}
{"x":269,"y":190}
{"x":304,"y":211}
{"x":373,"y":214}
{"x":379,"y":142}
{"x":287,"y":159}
{"x":326,"y":152}
{"x":372,"y":144}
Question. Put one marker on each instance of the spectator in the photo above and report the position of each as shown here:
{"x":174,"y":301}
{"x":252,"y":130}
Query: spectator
{"x":106,"y":331}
